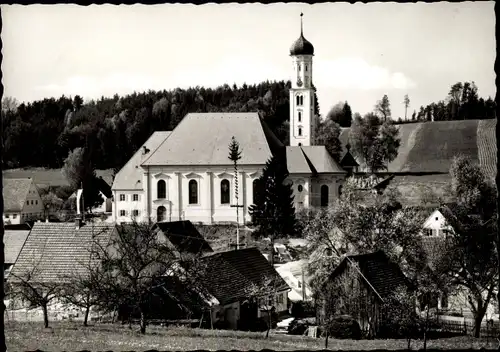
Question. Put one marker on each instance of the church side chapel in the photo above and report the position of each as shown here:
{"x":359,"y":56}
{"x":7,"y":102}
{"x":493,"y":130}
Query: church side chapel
{"x":185,"y":174}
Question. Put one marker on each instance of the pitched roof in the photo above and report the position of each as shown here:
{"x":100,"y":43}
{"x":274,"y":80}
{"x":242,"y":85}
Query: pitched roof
{"x":203,"y":139}
{"x":311,"y":160}
{"x":53,"y":251}
{"x":130,"y":176}
{"x":184,"y":236}
{"x":15,"y":191}
{"x":230,"y":274}
{"x":348,"y":160}
{"x":13,"y":243}
{"x":382,"y":274}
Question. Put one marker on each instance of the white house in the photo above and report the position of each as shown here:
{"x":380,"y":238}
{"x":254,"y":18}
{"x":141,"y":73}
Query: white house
{"x":185,"y":174}
{"x":436,"y":225}
{"x":295,"y":275}
{"x":22,"y":201}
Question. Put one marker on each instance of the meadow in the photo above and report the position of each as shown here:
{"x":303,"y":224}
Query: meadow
{"x":72,"y":336}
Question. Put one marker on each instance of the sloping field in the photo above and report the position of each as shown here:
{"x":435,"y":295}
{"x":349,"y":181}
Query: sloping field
{"x":436,"y":143}
{"x":487,"y":146}
{"x":425,"y":189}
{"x":431,"y":146}
{"x":48,"y":177}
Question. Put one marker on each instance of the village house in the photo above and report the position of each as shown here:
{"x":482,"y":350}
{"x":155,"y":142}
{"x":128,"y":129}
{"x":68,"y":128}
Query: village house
{"x":234,"y":278}
{"x":296,"y":276}
{"x":185,"y":174}
{"x":361,"y":283}
{"x":22,"y":201}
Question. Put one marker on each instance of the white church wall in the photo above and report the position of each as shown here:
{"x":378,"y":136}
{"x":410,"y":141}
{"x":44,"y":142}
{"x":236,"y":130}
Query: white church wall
{"x":208,"y":207}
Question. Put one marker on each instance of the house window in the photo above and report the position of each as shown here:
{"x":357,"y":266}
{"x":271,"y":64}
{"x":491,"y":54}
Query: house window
{"x":300,"y":188}
{"x":27,"y":202}
{"x":161,"y":191}
{"x":122,"y":212}
{"x":122,"y":197}
{"x":193,"y":192}
{"x":135,"y":197}
{"x":324,"y":195}
{"x":135,"y":212}
{"x":340,"y":191}
{"x":300,"y":116}
{"x":280,"y":298}
{"x":255,"y":189}
{"x":300,"y":131}
{"x":36,"y":202}
{"x":160,"y":213}
{"x":224,"y":192}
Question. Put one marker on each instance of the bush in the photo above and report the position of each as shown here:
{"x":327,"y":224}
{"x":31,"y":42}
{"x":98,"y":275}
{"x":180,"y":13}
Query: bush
{"x":344,"y":327}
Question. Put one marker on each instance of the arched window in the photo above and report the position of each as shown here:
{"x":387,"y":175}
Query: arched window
{"x":301,"y":100}
{"x":160,"y":213}
{"x":300,"y":116}
{"x":324,"y":196}
{"x":161,"y":189}
{"x":298,"y":67}
{"x":224,"y":192}
{"x":340,"y":191}
{"x":300,"y":188}
{"x":298,"y":100}
{"x":255,"y":190}
{"x":193,"y":192}
{"x":300,"y":131}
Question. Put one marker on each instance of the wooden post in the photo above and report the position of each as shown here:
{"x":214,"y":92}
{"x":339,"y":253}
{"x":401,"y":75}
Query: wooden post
{"x":237,"y":224}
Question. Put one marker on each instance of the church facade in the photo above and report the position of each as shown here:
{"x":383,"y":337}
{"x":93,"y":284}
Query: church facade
{"x":185,"y":174}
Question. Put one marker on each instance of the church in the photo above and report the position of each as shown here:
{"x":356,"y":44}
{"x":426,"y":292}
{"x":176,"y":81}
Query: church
{"x":185,"y":174}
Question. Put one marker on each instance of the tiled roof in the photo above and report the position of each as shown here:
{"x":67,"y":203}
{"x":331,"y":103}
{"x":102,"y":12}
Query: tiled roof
{"x":311,"y":160}
{"x":13,"y":241}
{"x":184,"y":236}
{"x":382,"y":274}
{"x":230,"y":274}
{"x":54,"y":251}
{"x":15,"y":191}
{"x":203,"y":139}
{"x":129,"y":175}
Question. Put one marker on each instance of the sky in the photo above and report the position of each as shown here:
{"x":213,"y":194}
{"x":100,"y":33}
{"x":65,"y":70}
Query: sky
{"x":362,"y":51}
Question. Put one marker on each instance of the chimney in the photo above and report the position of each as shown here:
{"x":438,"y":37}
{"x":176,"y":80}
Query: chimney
{"x":78,"y":222}
{"x":145,"y":150}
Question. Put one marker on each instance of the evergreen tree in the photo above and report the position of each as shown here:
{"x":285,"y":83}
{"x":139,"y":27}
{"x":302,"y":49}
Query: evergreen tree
{"x":347,"y":116}
{"x":273,"y":211}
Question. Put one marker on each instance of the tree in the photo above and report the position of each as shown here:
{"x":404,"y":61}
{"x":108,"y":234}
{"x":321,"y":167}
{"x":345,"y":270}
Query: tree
{"x":328,"y":134}
{"x":52,"y":203}
{"x":382,"y":108}
{"x":77,"y":102}
{"x":273,"y":211}
{"x":234,"y":156}
{"x":407,"y":104}
{"x":471,"y":261}
{"x":9,"y":104}
{"x":264,"y":295}
{"x":340,"y":113}
{"x":29,"y":286}
{"x":414,"y":115}
{"x":347,"y":116}
{"x":377,"y":145}
{"x":79,"y":172}
{"x":133,"y":263}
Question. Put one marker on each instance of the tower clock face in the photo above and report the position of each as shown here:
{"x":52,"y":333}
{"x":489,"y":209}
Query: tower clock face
{"x":299,"y":82}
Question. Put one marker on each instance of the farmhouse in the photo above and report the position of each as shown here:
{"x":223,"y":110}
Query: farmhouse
{"x":362,"y":282}
{"x":234,"y":278}
{"x":185,"y":174}
{"x":22,"y":201}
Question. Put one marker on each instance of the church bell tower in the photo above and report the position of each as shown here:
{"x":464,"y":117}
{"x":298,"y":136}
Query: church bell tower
{"x":302,"y":94}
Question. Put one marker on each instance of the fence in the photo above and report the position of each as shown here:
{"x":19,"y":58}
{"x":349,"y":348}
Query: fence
{"x":461,"y":326}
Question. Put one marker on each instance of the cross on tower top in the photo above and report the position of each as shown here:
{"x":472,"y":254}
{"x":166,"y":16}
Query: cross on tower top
{"x":301,"y":31}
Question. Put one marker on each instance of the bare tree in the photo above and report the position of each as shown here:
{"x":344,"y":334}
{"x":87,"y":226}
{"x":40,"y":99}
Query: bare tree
{"x":265,"y":296}
{"x":30,"y":286}
{"x":132,"y":265}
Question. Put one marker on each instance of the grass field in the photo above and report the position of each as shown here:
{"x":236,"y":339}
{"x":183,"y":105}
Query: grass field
{"x":50,"y":177}
{"x":106,"y":337}
{"x":430,"y":146}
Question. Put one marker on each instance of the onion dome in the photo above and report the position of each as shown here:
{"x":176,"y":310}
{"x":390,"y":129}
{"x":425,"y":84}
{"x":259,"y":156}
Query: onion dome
{"x":301,"y":46}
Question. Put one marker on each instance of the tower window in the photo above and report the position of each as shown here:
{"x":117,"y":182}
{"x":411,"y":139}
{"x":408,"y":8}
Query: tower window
{"x":306,"y":68}
{"x":298,"y":67}
{"x":300,"y":131}
{"x":301,"y":100}
{"x":300,"y":188}
{"x":300,"y":116}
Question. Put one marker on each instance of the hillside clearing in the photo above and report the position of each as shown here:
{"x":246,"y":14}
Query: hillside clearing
{"x":487,"y":146}
{"x":105,"y":337}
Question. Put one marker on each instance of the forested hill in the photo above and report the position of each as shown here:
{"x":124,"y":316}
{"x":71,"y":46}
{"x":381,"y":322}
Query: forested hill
{"x":41,"y":134}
